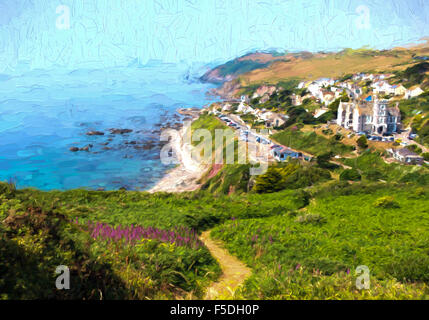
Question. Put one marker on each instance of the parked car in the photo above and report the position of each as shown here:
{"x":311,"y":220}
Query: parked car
{"x":412,"y":136}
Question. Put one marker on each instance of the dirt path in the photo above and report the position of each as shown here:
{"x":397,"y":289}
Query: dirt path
{"x":234,"y":271}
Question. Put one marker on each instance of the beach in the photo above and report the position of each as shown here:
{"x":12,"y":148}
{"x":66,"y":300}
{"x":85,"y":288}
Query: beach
{"x":185,"y":176}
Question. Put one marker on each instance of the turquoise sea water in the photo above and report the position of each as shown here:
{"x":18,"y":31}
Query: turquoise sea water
{"x":43,"y":113}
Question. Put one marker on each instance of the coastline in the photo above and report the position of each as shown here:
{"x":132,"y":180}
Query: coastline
{"x":185,"y":176}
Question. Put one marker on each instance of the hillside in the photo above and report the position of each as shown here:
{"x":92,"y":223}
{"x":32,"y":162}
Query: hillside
{"x":248,"y":63}
{"x":306,"y":66}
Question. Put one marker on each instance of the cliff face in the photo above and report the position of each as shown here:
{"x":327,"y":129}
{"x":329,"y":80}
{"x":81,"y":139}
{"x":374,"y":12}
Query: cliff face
{"x":229,"y":90}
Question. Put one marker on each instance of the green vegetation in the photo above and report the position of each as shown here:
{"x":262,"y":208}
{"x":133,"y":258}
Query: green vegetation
{"x":414,"y":75}
{"x":236,"y":67}
{"x":38,"y":233}
{"x":230,"y":179}
{"x":372,"y":167}
{"x":299,"y":244}
{"x":311,"y":142}
{"x":362,"y":142}
{"x":313,"y":254}
{"x":350,"y":175}
{"x":292,"y":175}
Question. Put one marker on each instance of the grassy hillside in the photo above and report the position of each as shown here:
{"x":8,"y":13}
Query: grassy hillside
{"x":313,"y":253}
{"x":333,"y":65}
{"x":42,"y":230}
{"x":311,"y":142}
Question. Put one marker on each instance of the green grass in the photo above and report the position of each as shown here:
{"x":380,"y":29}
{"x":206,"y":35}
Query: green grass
{"x":372,"y":167}
{"x":37,"y":235}
{"x":306,"y":254}
{"x":311,"y":142}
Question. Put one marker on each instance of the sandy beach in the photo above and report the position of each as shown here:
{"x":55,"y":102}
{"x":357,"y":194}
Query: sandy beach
{"x":184,"y":177}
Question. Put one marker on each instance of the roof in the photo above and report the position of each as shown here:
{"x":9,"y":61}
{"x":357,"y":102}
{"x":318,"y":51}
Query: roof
{"x":406,"y":152}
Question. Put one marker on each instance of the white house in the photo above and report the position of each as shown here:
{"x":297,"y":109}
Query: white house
{"x":382,"y":87}
{"x":245,"y":108}
{"x":273,"y":119}
{"x":406,"y":156}
{"x":326,"y":97}
{"x":413,"y":92}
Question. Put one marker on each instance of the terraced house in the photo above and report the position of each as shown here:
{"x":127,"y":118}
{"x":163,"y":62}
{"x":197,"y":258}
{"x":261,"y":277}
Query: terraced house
{"x":373,"y":116}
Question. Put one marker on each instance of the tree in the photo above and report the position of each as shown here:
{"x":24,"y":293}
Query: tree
{"x":323,"y":161}
{"x":268,"y":182}
{"x":362,"y":142}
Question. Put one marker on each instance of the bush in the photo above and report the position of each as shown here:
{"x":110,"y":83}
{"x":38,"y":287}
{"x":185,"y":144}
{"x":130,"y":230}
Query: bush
{"x":362,"y":142}
{"x":269,"y":182}
{"x":350,"y":175}
{"x":338,"y":137}
{"x":386,"y":202}
{"x":374,"y":175}
{"x":426,"y":156}
{"x":415,"y":148}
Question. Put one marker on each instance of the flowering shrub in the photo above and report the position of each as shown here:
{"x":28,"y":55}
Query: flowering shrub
{"x":180,"y":236}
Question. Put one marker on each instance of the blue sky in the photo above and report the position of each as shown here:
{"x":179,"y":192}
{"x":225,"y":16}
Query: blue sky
{"x":114,"y":32}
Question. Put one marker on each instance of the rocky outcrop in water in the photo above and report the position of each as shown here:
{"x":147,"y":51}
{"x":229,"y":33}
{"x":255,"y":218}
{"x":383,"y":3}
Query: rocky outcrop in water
{"x":120,"y":131}
{"x":95,"y":133}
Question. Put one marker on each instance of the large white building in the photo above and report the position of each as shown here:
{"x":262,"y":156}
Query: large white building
{"x":373,"y":117}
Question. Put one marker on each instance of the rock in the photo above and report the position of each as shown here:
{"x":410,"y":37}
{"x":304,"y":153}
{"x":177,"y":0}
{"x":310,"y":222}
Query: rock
{"x":86,"y":148}
{"x":74,"y":149}
{"x":106,"y":148}
{"x":120,"y":131}
{"x":95,"y":133}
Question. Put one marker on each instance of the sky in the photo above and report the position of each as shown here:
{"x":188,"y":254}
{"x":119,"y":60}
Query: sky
{"x":103,"y":33}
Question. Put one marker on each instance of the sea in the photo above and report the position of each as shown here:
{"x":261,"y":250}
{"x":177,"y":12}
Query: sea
{"x":44,"y":114}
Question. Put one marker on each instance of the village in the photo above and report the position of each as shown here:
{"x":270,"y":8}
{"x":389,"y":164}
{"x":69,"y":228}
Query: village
{"x":372,"y":110}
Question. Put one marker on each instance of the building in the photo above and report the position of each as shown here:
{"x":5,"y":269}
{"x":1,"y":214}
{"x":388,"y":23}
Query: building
{"x":326,"y":97}
{"x":382,"y":87}
{"x":282,"y":153}
{"x":398,"y":90}
{"x":273,"y":119}
{"x":406,"y":156}
{"x":413,"y":92}
{"x":243,"y":107}
{"x":373,"y":117}
{"x":296,"y":100}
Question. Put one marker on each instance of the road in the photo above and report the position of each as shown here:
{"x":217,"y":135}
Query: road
{"x":404,"y":137}
{"x":263,"y":151}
